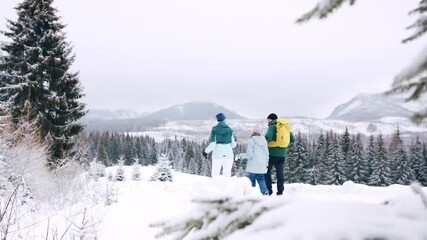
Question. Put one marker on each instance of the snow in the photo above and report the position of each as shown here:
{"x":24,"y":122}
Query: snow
{"x":350,"y":211}
{"x":352,"y":106}
{"x":180,"y":108}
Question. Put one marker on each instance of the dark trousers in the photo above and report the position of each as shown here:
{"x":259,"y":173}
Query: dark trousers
{"x":278,"y":163}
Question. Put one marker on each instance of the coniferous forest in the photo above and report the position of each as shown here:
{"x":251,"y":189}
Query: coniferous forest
{"x":327,"y":159}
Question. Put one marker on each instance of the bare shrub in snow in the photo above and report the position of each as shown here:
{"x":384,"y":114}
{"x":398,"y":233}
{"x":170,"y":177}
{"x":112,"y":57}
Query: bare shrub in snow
{"x":34,"y":189}
{"x":21,"y":157}
{"x":111,"y":193}
{"x":84,"y":225}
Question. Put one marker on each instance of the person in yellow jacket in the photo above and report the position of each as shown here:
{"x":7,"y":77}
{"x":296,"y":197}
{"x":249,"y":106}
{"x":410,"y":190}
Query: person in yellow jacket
{"x":277,"y":155}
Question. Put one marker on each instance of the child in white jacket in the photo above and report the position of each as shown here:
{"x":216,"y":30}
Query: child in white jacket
{"x":257,"y":155}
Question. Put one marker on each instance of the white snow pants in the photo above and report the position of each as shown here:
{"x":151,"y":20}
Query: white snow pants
{"x":222,"y":156}
{"x":225,"y":163}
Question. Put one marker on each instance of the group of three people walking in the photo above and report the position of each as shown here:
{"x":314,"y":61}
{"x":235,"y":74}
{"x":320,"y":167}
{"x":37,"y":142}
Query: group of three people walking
{"x":263,"y":153}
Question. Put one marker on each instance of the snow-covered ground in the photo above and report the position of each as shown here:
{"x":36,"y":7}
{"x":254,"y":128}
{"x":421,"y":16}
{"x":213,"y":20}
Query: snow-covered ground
{"x":351,"y":211}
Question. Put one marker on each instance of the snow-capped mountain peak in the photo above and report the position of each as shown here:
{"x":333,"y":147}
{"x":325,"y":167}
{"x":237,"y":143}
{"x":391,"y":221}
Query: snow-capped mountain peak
{"x":373,"y":107}
{"x":193,"y":111}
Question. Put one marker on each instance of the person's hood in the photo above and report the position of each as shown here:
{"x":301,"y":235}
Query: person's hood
{"x":259,"y":140}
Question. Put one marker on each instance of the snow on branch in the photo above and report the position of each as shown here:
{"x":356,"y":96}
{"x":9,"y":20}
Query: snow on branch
{"x":215,"y":218}
{"x":323,"y":9}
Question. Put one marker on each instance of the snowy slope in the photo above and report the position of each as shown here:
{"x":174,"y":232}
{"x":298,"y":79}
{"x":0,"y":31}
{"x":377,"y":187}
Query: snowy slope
{"x":192,"y":111}
{"x":374,"y":107}
{"x":351,"y":211}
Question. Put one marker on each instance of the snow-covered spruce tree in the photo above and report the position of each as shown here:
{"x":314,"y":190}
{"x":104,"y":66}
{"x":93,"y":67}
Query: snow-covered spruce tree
{"x":189,"y":159}
{"x":336,"y":163}
{"x":215,"y":218}
{"x":129,"y":150}
{"x":410,"y":79}
{"x":319,"y":162}
{"x":114,"y":147}
{"x":153,"y":157}
{"x":175,"y":154}
{"x":417,"y":162}
{"x":403,"y":174}
{"x":139,"y":150}
{"x":36,"y":79}
{"x":287,"y":166}
{"x":357,"y":162}
{"x":425,"y":160}
{"x":120,"y":171}
{"x":193,"y":157}
{"x":311,"y":166}
{"x":380,"y":168}
{"x":393,"y":149}
{"x":370,"y":158}
{"x":201,"y":161}
{"x":163,"y":172}
{"x":298,"y":161}
{"x":345,"y":142}
{"x":102,"y":155}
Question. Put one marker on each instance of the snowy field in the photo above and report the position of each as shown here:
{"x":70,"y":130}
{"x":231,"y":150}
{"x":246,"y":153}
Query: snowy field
{"x":351,"y":211}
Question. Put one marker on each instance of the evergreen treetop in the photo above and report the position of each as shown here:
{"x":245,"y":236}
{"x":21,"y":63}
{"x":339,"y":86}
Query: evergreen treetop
{"x":36,"y":81}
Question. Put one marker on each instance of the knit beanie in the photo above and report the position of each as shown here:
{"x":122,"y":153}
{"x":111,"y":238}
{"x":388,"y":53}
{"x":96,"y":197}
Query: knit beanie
{"x":220,"y":117}
{"x":272,"y":116}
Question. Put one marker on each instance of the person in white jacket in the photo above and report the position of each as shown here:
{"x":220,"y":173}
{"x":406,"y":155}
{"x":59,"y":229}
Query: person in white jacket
{"x":222,"y":142}
{"x":257,"y":155}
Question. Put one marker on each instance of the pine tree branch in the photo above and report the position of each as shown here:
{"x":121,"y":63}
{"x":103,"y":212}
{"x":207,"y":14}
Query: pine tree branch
{"x":215,"y":218}
{"x":419,"y":116}
{"x":420,"y":24}
{"x":323,"y":9}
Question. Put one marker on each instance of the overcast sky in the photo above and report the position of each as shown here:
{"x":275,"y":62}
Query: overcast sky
{"x":247,"y":55}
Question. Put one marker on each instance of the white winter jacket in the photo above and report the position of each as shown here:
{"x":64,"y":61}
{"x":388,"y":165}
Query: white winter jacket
{"x":222,"y":151}
{"x":257,"y":155}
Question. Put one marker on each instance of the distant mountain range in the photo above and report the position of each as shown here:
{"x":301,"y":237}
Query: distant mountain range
{"x":368,"y":108}
{"x":124,"y":120}
{"x":374,"y":107}
{"x":106,"y":114}
{"x":192,"y":111}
